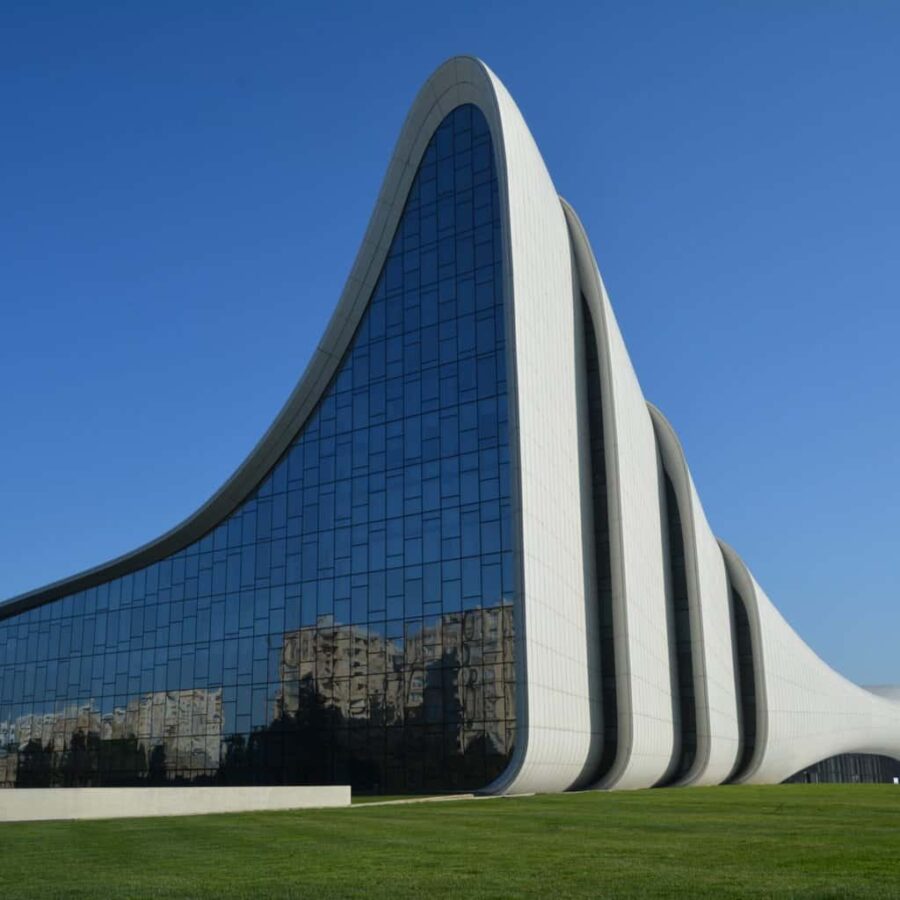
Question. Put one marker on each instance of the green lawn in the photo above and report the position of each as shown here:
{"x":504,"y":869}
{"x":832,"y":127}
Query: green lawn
{"x":786,"y":841}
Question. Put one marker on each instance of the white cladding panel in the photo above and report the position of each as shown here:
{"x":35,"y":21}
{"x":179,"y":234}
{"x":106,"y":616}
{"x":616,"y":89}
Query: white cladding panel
{"x":643,"y":643}
{"x":559,"y":651}
{"x":557,"y":707}
{"x":712,"y":647}
{"x":807,"y":711}
{"x":890,"y":691}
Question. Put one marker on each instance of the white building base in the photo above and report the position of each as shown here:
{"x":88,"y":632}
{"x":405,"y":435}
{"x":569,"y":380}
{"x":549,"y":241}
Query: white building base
{"x":37,"y":804}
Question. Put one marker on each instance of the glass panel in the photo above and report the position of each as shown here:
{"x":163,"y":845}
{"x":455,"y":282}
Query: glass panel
{"x":352,"y":620}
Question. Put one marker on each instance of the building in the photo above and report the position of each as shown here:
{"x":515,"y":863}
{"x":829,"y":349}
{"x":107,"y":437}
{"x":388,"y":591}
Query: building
{"x":466,"y":555}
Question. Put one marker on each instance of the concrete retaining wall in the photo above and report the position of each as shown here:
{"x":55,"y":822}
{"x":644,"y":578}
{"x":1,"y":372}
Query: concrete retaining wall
{"x":36,"y":804}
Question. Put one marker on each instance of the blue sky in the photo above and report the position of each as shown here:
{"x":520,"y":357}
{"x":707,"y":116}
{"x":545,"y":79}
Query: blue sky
{"x":184,"y":187}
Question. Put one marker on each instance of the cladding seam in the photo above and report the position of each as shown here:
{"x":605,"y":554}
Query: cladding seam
{"x":711,"y":639}
{"x":642,"y":626}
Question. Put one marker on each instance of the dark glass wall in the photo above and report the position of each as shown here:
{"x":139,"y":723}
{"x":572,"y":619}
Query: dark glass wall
{"x":352,"y":620}
{"x":849,"y":768}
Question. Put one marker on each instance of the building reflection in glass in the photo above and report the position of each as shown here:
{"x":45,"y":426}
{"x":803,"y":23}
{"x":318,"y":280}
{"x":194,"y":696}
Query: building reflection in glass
{"x":153,"y":738}
{"x":432,"y":707}
{"x":428,"y":707}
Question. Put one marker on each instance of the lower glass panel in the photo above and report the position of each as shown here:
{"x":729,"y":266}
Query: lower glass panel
{"x":850,"y":768}
{"x":429,"y":710}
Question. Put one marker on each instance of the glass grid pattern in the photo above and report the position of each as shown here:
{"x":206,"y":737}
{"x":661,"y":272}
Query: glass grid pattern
{"x":351,"y":621}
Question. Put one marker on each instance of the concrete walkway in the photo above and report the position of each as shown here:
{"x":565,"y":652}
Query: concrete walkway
{"x":437,"y":798}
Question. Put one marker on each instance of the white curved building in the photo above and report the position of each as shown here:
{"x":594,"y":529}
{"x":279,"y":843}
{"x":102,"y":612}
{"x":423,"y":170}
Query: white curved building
{"x":467,"y":553}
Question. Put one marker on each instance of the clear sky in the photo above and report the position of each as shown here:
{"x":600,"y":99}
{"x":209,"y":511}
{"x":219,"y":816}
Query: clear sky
{"x":183,"y":187}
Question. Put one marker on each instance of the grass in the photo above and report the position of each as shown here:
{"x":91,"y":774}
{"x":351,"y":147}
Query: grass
{"x":784,"y":841}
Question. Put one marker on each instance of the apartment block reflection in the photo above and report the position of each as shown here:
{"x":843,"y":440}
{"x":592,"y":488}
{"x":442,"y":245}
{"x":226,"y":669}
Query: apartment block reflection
{"x":423,"y":705}
{"x":454,"y":669}
{"x":161,"y":736}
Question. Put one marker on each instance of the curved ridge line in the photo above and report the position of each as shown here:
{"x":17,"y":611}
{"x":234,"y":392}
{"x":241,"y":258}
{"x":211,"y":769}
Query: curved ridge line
{"x":737,"y":571}
{"x":326,"y":356}
{"x":662,"y":424}
{"x":589,"y":277}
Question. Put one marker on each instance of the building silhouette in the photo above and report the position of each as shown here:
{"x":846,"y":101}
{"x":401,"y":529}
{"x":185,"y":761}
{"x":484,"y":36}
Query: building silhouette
{"x":467,"y":555}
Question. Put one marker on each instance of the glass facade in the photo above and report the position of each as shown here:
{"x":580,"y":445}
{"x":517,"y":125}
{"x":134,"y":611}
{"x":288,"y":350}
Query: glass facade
{"x":351,"y":621}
